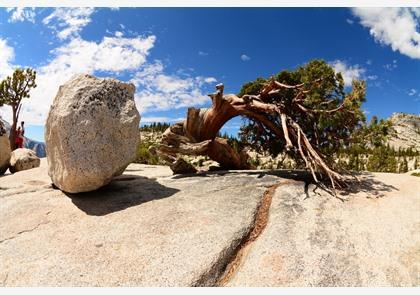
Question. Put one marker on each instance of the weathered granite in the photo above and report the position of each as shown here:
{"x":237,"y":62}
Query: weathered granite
{"x":146,"y":228}
{"x":23,"y":159}
{"x":5,"y":152}
{"x":91,"y":132}
{"x":149,"y":228}
{"x":371,"y":240}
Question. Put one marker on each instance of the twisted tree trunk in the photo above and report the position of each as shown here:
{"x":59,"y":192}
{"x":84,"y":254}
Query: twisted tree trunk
{"x":197,"y":135}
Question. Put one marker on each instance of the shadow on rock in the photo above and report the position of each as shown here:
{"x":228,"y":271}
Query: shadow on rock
{"x":299,"y":175}
{"x":123,"y":192}
{"x":368,"y":184}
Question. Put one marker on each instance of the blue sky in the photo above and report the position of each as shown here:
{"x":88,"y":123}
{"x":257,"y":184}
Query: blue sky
{"x":175,"y":56}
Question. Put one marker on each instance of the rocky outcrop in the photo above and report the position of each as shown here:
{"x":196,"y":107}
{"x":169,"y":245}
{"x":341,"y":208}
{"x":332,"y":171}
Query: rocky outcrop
{"x":23,"y":159}
{"x":6,"y":125}
{"x":5,"y":151}
{"x":151,"y":228}
{"x":37,"y":146}
{"x":180,"y":166}
{"x":146,"y":228}
{"x":314,"y":240}
{"x":405,"y":131}
{"x":91,"y":132}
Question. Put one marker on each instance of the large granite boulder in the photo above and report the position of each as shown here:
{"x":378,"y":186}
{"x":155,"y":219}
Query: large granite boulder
{"x":5,"y":151}
{"x":91,"y":132}
{"x":23,"y":159}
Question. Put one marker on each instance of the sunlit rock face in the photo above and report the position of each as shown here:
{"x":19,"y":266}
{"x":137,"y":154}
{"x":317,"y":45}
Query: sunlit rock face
{"x":91,"y":132}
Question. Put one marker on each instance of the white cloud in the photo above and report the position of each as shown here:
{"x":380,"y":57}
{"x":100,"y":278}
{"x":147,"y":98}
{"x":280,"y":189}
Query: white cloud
{"x":391,"y":66}
{"x":350,"y":21}
{"x":68,"y":22}
{"x":372,"y":77}
{"x":397,"y":27}
{"x":412,"y":92}
{"x":155,"y":89}
{"x":202,"y":53}
{"x":245,"y":57}
{"x":210,"y":80}
{"x":20,"y":14}
{"x":111,"y":55}
{"x":158,"y":91}
{"x":160,"y":119}
{"x":7,"y":55}
{"x":348,"y":72}
{"x":369,"y":62}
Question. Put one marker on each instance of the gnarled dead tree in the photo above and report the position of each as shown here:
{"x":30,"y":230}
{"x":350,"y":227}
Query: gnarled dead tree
{"x":197,"y":135}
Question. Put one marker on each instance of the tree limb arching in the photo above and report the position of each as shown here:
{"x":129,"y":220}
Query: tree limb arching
{"x":197,"y":134}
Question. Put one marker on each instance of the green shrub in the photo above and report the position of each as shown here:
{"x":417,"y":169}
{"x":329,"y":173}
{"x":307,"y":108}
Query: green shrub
{"x":382,"y":160}
{"x":143,"y":156}
{"x":404,"y":166}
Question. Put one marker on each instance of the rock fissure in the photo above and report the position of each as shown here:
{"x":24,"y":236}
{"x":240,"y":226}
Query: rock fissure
{"x":25,"y":231}
{"x":5,"y":279}
{"x":260,"y":222}
{"x":227,"y":265}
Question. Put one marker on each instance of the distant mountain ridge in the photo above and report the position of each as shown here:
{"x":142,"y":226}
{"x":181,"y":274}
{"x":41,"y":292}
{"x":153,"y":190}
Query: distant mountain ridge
{"x":405,"y":131}
{"x":37,"y":146}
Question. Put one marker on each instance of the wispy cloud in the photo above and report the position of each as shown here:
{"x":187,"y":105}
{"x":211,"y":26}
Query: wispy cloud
{"x":160,"y":119}
{"x":159,"y":91}
{"x":412,"y":92}
{"x":68,"y":22}
{"x":349,"y":72}
{"x":391,"y":66}
{"x":396,"y":27}
{"x":202,"y":53}
{"x":210,"y":80}
{"x":7,"y":55}
{"x":156,"y":90}
{"x":350,"y":21}
{"x":20,"y":14}
{"x":372,"y":77}
{"x":112,"y":55}
{"x":245,"y":57}
{"x":119,"y":34}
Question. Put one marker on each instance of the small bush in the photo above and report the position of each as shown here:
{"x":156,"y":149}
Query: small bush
{"x":144,"y":156}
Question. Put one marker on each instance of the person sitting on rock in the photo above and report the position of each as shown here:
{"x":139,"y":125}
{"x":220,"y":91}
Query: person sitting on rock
{"x":19,"y":139}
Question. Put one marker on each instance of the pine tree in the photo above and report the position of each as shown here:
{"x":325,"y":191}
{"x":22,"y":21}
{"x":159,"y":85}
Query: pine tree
{"x":12,"y":90}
